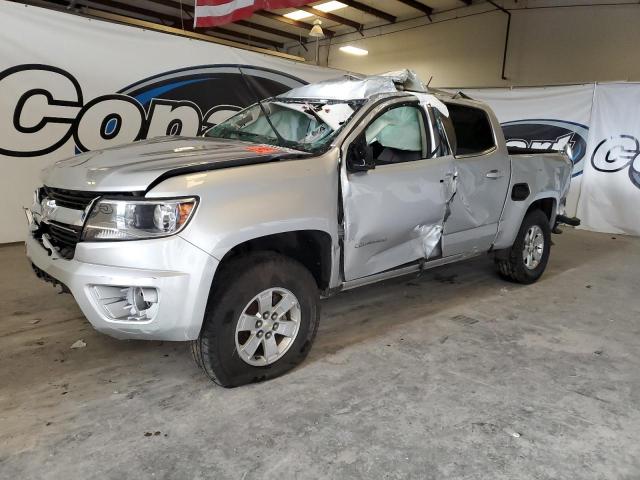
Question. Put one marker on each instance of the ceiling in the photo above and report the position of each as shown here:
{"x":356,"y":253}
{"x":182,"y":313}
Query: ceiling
{"x":268,"y":29}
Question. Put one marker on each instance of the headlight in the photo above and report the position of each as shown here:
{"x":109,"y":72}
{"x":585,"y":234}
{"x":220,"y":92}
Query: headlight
{"x":137,"y":219}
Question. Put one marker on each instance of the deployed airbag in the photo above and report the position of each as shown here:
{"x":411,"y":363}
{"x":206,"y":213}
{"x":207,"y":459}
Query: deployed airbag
{"x":398,"y":128}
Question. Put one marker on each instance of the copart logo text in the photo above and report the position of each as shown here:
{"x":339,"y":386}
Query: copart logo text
{"x":617,"y":153}
{"x":42,"y":106}
{"x":548,"y":134}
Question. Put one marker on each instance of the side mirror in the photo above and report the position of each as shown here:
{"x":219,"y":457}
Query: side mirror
{"x":360,"y":156}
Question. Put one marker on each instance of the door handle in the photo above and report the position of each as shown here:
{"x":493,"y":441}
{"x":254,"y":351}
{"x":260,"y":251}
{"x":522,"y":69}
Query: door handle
{"x":493,"y":174}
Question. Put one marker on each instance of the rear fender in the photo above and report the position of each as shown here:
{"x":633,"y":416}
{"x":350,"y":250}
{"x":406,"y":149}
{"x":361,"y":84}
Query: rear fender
{"x":515,"y":212}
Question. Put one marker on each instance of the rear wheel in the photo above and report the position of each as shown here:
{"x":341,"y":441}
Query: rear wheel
{"x":260,"y":322}
{"x":527,"y":259}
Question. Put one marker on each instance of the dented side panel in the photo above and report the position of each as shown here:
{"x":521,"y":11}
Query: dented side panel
{"x":476,"y":208}
{"x":547,"y":175}
{"x":394,"y":214}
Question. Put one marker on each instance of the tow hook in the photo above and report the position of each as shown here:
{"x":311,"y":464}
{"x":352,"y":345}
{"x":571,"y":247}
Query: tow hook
{"x":572,"y":221}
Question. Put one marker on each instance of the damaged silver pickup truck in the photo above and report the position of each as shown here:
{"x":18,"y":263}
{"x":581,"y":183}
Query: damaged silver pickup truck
{"x":229,"y":240}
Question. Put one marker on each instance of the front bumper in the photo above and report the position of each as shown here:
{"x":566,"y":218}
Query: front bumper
{"x":180,"y":272}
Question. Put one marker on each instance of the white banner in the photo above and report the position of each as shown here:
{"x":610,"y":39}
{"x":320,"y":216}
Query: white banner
{"x":69,"y":84}
{"x":610,"y":197}
{"x":545,"y":117}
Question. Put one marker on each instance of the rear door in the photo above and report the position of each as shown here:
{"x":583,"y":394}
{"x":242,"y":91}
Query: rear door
{"x":483,"y":174}
{"x":390,"y":212}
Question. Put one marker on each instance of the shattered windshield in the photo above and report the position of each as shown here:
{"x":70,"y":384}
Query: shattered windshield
{"x":307,"y":125}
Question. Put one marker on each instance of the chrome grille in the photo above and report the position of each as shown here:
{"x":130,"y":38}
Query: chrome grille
{"x":63,"y":237}
{"x":74,"y":199}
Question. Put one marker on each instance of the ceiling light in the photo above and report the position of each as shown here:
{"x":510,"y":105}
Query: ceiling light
{"x":329,"y":6}
{"x":354,"y":50}
{"x":323,"y":7}
{"x":298,"y":15}
{"x":316,"y":30}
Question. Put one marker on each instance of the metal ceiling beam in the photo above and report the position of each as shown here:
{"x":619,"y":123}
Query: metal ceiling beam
{"x":181,"y":7}
{"x":173,"y":4}
{"x":426,"y":9}
{"x":332,"y":17}
{"x":246,"y":37}
{"x":272,"y":31}
{"x":131,"y":9}
{"x":370,"y":10}
{"x":289,"y":21}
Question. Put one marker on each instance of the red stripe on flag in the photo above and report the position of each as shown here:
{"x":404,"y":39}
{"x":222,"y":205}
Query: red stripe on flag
{"x":203,"y":19}
{"x":238,"y":14}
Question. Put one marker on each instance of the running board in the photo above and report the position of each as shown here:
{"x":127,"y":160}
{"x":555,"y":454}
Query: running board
{"x":399,"y":272}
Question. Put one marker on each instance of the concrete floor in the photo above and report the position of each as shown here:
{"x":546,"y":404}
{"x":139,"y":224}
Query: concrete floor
{"x":456,"y":374}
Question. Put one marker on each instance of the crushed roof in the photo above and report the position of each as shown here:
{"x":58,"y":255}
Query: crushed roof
{"x":357,"y":87}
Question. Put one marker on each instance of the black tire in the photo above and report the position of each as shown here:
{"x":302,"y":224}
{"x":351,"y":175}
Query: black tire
{"x":239,"y":281}
{"x":510,"y":263}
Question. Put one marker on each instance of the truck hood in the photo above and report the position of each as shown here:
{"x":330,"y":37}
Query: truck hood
{"x":135,"y":167}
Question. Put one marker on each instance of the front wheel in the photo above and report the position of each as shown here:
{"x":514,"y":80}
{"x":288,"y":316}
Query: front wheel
{"x":527,"y":259}
{"x":260,"y":321}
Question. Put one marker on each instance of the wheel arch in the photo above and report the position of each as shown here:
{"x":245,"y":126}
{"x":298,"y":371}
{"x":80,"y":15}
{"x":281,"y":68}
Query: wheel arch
{"x":312,"y":248}
{"x":547,"y":205}
{"x":515,"y":212}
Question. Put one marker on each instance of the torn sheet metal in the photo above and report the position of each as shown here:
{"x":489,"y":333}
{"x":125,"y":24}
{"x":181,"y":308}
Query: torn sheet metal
{"x":476,"y":200}
{"x":334,"y":114}
{"x":406,"y":79}
{"x":428,"y":100}
{"x":359,"y":87}
{"x":347,"y":87}
{"x":431,"y":235}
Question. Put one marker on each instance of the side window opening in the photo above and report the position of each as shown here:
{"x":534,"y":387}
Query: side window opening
{"x":397,"y":136}
{"x":474,"y":134}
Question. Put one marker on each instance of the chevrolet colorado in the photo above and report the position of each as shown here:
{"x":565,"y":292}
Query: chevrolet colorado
{"x":230,"y":239}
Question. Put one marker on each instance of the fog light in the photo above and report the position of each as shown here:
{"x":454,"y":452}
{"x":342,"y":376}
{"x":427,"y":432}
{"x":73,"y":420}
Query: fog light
{"x":141,"y":299}
{"x":127,"y":303}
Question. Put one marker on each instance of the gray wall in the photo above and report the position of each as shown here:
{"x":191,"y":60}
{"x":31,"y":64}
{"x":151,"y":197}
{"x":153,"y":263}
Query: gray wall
{"x":464,"y":47}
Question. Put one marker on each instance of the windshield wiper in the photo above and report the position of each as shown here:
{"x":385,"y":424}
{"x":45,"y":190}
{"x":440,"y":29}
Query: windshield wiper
{"x":282,"y":142}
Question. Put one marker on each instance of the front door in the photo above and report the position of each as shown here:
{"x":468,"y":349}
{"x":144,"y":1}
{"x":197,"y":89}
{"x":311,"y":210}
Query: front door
{"x":393,"y":214}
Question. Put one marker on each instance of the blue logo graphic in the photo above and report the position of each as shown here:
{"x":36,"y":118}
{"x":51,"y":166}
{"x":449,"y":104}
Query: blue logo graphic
{"x":550,"y":134}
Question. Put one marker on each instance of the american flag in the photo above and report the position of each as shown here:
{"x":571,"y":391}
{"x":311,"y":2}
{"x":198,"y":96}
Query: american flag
{"x":210,"y":13}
